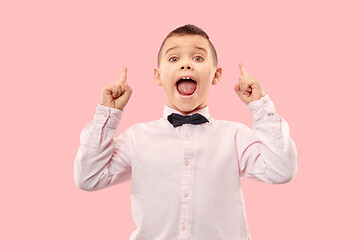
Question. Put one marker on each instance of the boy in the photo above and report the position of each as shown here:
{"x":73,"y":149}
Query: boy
{"x":185,"y":168}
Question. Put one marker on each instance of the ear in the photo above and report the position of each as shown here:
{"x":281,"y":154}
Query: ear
{"x":217,"y":76}
{"x":157,"y":76}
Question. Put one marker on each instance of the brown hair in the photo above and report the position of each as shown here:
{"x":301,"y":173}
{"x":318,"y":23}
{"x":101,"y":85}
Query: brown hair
{"x":189,"y":29}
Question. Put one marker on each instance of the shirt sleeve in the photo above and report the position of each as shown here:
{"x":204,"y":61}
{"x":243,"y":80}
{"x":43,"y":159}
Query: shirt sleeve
{"x":102,"y":160}
{"x":266,"y":152}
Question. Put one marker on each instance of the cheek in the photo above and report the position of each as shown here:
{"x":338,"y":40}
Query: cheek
{"x":206,"y":70}
{"x":169,"y":87}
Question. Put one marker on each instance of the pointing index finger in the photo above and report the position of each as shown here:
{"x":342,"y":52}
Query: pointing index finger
{"x":243,"y":70}
{"x":123,"y":75}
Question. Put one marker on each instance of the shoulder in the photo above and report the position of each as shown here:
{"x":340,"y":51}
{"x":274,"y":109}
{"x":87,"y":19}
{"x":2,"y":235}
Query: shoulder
{"x":230,"y":125}
{"x":243,"y":134}
{"x":143,"y":127}
{"x":140,"y":130}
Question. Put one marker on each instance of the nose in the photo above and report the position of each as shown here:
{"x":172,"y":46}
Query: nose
{"x":186,"y":64}
{"x":188,"y":67}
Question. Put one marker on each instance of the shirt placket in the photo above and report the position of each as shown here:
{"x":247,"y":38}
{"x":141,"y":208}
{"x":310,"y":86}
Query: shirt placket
{"x":185,"y":182}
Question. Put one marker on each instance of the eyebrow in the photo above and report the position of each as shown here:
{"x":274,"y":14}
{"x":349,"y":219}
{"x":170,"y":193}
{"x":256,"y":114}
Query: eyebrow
{"x":200,"y":48}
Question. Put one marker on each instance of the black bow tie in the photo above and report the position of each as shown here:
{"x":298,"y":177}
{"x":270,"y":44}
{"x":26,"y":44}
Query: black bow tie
{"x":178,"y":120}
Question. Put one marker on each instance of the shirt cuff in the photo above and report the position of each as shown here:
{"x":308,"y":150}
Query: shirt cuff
{"x":261,"y":107}
{"x":107,"y":116}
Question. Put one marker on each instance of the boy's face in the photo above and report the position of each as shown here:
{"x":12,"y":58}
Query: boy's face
{"x":187,"y":56}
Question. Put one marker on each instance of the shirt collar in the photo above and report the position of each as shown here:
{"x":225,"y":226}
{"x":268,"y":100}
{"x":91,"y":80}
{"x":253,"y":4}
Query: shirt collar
{"x":203,"y":111}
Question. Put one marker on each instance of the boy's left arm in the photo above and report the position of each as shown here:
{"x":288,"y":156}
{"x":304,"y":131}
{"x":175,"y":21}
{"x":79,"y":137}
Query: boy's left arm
{"x":266,"y":152}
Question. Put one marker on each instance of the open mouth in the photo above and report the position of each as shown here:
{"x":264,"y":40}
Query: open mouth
{"x":186,"y":86}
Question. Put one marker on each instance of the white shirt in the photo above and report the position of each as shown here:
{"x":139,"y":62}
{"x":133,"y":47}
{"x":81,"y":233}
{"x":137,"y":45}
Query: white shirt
{"x":185,"y":181}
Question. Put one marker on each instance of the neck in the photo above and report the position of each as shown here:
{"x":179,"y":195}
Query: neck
{"x":188,"y":112}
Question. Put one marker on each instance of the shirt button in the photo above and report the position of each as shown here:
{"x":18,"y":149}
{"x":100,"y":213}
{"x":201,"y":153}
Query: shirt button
{"x":186,"y":194}
{"x":186,"y":162}
{"x":183,"y":226}
{"x":187,"y":138}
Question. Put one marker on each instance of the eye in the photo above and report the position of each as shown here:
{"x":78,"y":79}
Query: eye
{"x":172,"y":59}
{"x":198,"y":58}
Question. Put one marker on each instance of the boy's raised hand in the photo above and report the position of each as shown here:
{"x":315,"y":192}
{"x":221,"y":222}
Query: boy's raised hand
{"x":117,"y":94}
{"x":248,"y":88}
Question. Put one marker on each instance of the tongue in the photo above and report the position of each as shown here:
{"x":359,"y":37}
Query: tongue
{"x":186,"y":87}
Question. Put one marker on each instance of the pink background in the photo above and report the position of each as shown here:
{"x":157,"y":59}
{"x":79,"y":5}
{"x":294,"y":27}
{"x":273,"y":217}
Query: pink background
{"x":56,"y":56}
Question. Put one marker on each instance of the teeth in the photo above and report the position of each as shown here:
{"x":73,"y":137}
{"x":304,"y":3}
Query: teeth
{"x":184,"y":78}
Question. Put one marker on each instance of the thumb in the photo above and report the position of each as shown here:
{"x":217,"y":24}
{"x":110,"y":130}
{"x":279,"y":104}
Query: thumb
{"x":242,"y":95}
{"x":237,"y":87}
{"x":121,"y":102}
{"x":128,"y":91}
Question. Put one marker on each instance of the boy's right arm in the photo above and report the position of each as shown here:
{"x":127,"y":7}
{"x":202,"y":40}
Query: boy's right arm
{"x":102,"y":160}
